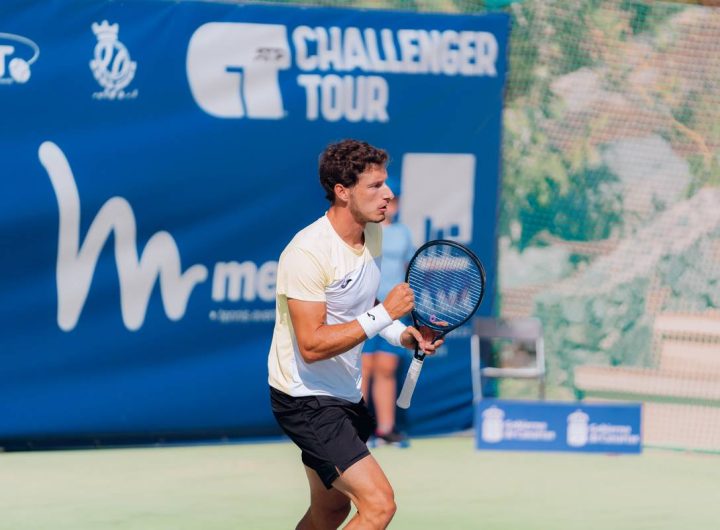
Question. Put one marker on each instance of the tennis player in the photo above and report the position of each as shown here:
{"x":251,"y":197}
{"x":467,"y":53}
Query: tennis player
{"x":327,"y":281}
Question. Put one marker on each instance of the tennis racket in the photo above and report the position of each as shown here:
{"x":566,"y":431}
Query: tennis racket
{"x":448,"y":281}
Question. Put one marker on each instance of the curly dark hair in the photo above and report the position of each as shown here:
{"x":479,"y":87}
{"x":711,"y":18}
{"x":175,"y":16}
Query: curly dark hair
{"x":342,"y":162}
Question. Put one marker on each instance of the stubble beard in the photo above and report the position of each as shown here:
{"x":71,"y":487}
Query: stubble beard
{"x":362,"y":218}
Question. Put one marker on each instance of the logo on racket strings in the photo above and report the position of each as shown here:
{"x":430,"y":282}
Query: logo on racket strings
{"x":444,"y":302}
{"x":441,"y":262}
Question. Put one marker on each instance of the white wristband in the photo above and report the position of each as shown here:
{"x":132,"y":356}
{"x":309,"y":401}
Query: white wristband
{"x":374,"y":320}
{"x":393,"y":332}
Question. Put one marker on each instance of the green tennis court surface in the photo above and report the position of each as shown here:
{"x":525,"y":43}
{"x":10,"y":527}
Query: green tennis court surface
{"x":440,"y":483}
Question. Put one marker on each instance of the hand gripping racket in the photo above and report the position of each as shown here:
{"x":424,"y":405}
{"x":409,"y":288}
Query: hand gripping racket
{"x":448,"y":281}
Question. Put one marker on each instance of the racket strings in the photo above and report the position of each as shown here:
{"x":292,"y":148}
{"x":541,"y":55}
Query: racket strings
{"x":448,"y":285}
{"x":446,"y":300}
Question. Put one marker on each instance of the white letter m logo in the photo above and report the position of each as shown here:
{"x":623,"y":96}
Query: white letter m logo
{"x":233,"y":67}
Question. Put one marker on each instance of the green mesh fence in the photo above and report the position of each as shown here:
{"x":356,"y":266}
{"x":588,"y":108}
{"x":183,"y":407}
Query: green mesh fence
{"x":611,"y":206}
{"x":610,"y":213}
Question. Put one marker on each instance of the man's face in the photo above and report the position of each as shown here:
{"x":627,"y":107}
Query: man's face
{"x":369,"y":197}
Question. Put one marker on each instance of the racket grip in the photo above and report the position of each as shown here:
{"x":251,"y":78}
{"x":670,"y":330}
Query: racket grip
{"x":410,"y":381}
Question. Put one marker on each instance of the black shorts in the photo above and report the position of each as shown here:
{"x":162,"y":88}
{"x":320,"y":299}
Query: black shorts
{"x":331,"y":432}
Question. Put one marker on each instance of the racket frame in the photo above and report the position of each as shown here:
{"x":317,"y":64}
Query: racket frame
{"x":444,"y":330}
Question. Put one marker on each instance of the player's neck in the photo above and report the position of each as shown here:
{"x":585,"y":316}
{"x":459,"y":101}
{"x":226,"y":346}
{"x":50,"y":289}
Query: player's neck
{"x":346,"y":226}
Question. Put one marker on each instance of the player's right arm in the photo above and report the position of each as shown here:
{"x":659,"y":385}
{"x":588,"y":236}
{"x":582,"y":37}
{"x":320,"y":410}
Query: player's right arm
{"x":318,"y":340}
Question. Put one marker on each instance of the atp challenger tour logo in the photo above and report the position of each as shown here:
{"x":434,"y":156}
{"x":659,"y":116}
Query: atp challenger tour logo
{"x":234,"y":68}
{"x":159,"y":261}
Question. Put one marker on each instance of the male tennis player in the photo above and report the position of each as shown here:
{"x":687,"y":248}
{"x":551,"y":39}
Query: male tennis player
{"x":327,"y":281}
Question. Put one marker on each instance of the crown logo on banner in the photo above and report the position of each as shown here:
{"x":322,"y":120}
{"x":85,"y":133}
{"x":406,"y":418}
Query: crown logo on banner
{"x":104,"y":30}
{"x":112,"y":65}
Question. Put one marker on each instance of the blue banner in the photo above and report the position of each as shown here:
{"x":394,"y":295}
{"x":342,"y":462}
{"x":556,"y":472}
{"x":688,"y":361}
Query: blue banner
{"x":558,"y":426}
{"x":156,"y":159}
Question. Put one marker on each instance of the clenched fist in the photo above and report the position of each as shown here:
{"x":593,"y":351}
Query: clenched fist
{"x":399,"y":301}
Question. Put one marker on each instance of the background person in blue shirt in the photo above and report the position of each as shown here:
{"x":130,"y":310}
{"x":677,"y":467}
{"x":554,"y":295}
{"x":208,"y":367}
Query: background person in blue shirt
{"x":380,"y":359}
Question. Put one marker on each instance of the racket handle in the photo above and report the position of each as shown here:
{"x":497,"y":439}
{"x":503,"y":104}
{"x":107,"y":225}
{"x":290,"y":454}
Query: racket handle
{"x":410,"y":381}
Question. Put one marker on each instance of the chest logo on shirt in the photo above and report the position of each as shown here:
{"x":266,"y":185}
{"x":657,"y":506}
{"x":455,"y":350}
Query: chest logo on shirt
{"x":345,"y":283}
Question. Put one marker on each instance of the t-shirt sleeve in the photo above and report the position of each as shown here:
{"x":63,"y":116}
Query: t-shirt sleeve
{"x":301,"y":276}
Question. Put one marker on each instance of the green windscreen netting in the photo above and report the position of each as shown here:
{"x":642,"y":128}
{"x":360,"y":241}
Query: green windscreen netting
{"x":610,"y":211}
{"x":611,"y":206}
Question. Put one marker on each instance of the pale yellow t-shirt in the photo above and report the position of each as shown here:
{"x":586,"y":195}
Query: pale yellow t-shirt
{"x":318,"y":266}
